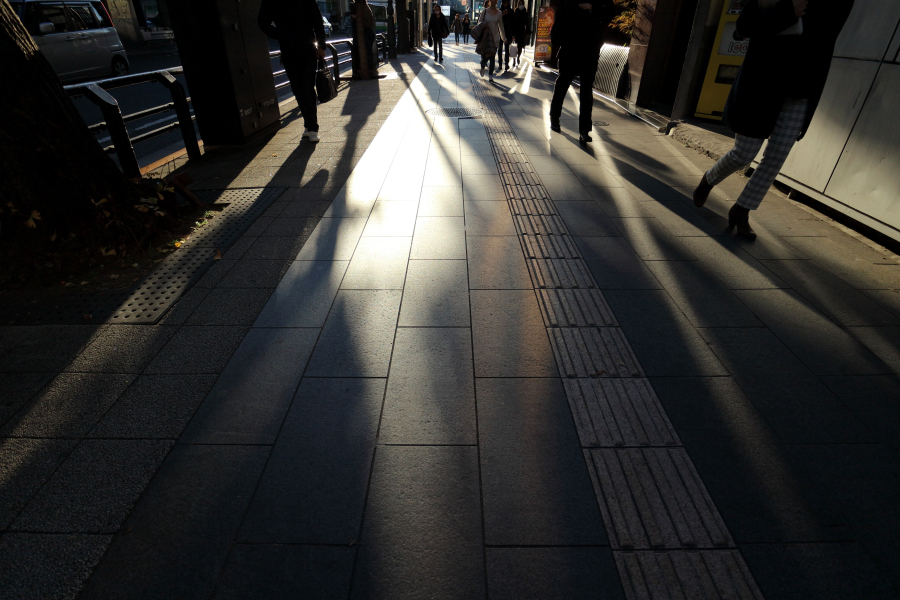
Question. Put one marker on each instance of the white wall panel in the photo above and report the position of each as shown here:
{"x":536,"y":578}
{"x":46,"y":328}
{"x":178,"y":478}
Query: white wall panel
{"x":869,"y":30}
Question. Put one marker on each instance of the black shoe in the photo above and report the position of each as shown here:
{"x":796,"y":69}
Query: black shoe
{"x":739,"y":217}
{"x":702,"y":192}
{"x":584,"y":136}
{"x":554,"y":126}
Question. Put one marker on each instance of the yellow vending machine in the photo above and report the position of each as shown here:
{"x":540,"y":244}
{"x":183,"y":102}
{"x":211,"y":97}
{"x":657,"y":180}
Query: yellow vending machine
{"x":724,"y":62}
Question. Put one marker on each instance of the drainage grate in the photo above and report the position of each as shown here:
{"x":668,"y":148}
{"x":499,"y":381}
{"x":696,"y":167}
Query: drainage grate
{"x":145,"y":303}
{"x":455,"y":112}
{"x":601,"y":123}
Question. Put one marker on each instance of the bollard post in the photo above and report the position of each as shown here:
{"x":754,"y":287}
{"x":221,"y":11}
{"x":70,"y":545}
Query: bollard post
{"x":391,"y":31}
{"x":184,"y":114}
{"x":116,"y":126}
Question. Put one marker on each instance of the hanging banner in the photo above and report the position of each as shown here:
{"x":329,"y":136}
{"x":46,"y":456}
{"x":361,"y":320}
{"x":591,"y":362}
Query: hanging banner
{"x":542,"y":45}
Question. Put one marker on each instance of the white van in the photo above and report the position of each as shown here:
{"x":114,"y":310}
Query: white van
{"x":78,"y":38}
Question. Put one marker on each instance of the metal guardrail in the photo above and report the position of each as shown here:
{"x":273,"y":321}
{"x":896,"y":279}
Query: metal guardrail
{"x":114,"y":121}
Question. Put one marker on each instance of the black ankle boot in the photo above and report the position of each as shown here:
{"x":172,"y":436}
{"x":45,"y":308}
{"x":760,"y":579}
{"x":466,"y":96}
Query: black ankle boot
{"x":702,"y":192}
{"x":739,"y":217}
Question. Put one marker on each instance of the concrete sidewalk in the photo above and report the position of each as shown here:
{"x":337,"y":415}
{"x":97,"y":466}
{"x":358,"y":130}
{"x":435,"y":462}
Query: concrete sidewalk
{"x":471,"y":358}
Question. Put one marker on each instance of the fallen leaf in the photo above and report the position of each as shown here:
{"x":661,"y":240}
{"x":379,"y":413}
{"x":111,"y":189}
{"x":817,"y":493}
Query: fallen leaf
{"x":178,"y":244}
{"x":86,"y":317}
{"x":218,"y":255}
{"x":83,"y":283}
{"x":135,"y":265}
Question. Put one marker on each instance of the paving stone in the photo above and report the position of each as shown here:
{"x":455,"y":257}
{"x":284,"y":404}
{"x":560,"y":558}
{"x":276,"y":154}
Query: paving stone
{"x":333,"y":239}
{"x":575,"y":308}
{"x":571,"y":573}
{"x":25,"y":465}
{"x":379,"y":263}
{"x":436,"y":294}
{"x":559,"y":273}
{"x":586,"y":219}
{"x":392,"y":218}
{"x":314,"y":488}
{"x":40,"y":565}
{"x":595,"y":175}
{"x":184,"y":307}
{"x":121,"y":349}
{"x":851,"y":260}
{"x":68,"y":406}
{"x":651,"y":240}
{"x":796,"y":404}
{"x":47,"y":348}
{"x":483,"y":187}
{"x":648,"y":316}
{"x":198,"y":350}
{"x":230,"y":306}
{"x":593,"y":352}
{"x":304,"y":296}
{"x":94,"y":488}
{"x":732,"y":265}
{"x":614,"y":264}
{"x":430,"y":398}
{"x":279,"y":571}
{"x":422,"y":533}
{"x":155,"y":406}
{"x":873,"y":399}
{"x":552,"y":247}
{"x":509,"y":336}
{"x":16,"y":389}
{"x":177,"y":539}
{"x":822,"y":346}
{"x":439,"y":238}
{"x":275,"y":248}
{"x":540,"y":225}
{"x":488,"y":218}
{"x":743,"y":465}
{"x":358,"y":336}
{"x":355,"y":201}
{"x":216,"y":273}
{"x":518,"y":471}
{"x":713,"y":574}
{"x":550,"y":165}
{"x":889,"y":299}
{"x":654,"y":498}
{"x":249,"y":400}
{"x":496,"y":262}
{"x":441,"y":202}
{"x":703,"y":298}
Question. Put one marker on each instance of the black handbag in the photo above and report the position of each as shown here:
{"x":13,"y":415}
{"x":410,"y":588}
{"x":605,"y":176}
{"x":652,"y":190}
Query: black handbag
{"x":326,"y":89}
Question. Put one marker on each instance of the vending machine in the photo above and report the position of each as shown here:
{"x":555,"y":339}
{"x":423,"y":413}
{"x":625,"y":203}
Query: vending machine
{"x":725,"y":61}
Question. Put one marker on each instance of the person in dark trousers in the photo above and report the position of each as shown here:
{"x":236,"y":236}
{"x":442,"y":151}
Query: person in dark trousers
{"x":775,"y":93}
{"x":457,"y":28}
{"x":437,"y":28}
{"x":298,"y":27}
{"x":508,"y":27}
{"x":578,"y":33}
{"x":520,"y":30}
{"x":467,"y":27}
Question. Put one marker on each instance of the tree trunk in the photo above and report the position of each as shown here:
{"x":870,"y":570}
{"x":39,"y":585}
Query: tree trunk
{"x":402,"y":28}
{"x":51,"y":167}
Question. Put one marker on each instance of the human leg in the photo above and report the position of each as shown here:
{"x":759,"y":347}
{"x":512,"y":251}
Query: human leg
{"x":301,"y":72}
{"x":744,"y":150}
{"x":560,"y":89}
{"x":586,"y":98}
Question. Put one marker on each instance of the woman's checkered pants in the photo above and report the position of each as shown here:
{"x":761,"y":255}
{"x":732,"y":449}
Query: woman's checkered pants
{"x":787,"y":130}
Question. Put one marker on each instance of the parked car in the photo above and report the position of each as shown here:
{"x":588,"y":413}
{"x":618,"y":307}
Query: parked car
{"x":76,"y":37}
{"x":327,"y":26}
{"x":156,"y":33}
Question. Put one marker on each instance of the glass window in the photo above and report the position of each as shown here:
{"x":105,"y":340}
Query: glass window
{"x":379,"y":12}
{"x":45,"y":13}
{"x":100,"y":15}
{"x":82,"y":16}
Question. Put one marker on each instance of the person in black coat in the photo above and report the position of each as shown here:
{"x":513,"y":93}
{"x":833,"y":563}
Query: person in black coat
{"x":508,"y":27}
{"x":466,"y":23}
{"x":297,"y":25}
{"x":437,"y":29}
{"x":578,"y":33}
{"x":776,"y":92}
{"x":520,"y":29}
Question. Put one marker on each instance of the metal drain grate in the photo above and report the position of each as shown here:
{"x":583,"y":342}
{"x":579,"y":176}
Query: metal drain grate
{"x":153,"y":295}
{"x":601,"y":123}
{"x":455,"y":112}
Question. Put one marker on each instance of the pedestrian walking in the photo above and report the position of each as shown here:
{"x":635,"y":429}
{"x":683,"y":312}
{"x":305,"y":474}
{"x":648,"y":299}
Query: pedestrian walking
{"x":437,"y":31}
{"x":775,"y":94}
{"x":578,"y":33}
{"x":457,"y":28}
{"x":521,"y":30}
{"x":489,"y":36}
{"x":467,"y":27}
{"x":508,"y":28}
{"x":298,"y":27}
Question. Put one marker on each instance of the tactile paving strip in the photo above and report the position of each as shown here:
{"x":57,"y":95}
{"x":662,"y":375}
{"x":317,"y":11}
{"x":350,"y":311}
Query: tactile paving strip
{"x":575,"y":308}
{"x":593,"y":352}
{"x":454,"y":112}
{"x":706,"y":574}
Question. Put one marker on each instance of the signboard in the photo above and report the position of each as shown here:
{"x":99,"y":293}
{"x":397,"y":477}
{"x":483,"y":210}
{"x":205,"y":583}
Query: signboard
{"x":724,"y":63}
{"x":542,"y":46}
{"x":730,"y":44}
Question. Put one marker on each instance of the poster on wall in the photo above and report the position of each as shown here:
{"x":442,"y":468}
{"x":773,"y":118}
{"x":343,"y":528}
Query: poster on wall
{"x":542,"y":45}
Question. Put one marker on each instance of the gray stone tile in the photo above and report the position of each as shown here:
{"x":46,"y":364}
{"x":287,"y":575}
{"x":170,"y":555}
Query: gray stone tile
{"x":677,"y":217}
{"x":883,"y":342}
{"x":47,"y":348}
{"x":550,"y":165}
{"x":798,"y":407}
{"x":40,"y":565}
{"x":567,"y":573}
{"x":727,"y":261}
{"x":392,"y":218}
{"x":177,"y":539}
{"x":595,"y":175}
{"x":353,"y":202}
{"x":873,"y":399}
{"x":430,"y":398}
{"x":519,"y":471}
{"x":280,"y":571}
{"x":216,"y":273}
{"x":25,"y":465}
{"x":439,"y":238}
{"x":235,"y":306}
{"x":649,"y":316}
{"x":284,"y":226}
{"x":248,"y":402}
{"x":94,"y":489}
{"x":121,"y":349}
{"x":851,"y":260}
{"x":483,"y":187}
{"x":832,"y":571}
{"x":16,"y":389}
{"x":535,"y":147}
{"x":586,"y":219}
{"x":379,"y":263}
{"x":422,"y":532}
{"x":509,"y":336}
{"x":889,"y":299}
{"x":333,"y":239}
{"x":304,"y":296}
{"x":441,"y":202}
{"x":275,"y":248}
{"x":565,"y":187}
{"x":742,"y":464}
{"x":314,"y":488}
{"x":497,"y":262}
{"x":489,"y":218}
{"x":358,"y":336}
{"x":651,"y":240}
{"x":831,"y":294}
{"x":184,"y":307}
{"x":155,"y":406}
{"x":68,"y":406}
{"x":824,"y":348}
{"x":198,"y":350}
{"x":703,"y":299}
{"x":436,"y":294}
{"x":254,"y":274}
{"x":614,"y":264}
{"x":479,"y":165}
